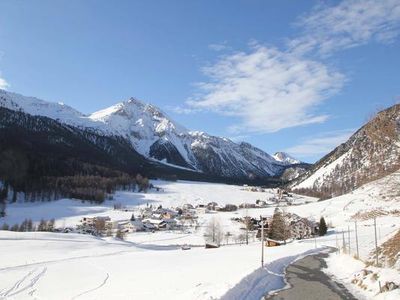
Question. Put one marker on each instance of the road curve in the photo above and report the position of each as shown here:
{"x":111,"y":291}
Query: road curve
{"x":308,"y":281}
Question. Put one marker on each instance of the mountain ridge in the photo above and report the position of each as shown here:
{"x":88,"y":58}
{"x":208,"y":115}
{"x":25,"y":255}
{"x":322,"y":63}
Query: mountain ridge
{"x":155,"y":136}
{"x":371,"y":153}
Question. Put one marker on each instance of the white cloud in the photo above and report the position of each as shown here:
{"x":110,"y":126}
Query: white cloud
{"x":217,"y":47}
{"x":267,"y":89}
{"x":349,"y":24}
{"x":320,"y":145}
{"x":3,"y":83}
{"x":182,"y":110}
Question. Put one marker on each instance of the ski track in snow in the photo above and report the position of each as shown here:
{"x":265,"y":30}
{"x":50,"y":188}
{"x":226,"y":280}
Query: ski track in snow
{"x":93,"y":289}
{"x":29,"y":280}
{"x":135,"y":246}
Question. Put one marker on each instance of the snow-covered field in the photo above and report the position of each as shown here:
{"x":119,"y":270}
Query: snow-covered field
{"x":42,"y":265}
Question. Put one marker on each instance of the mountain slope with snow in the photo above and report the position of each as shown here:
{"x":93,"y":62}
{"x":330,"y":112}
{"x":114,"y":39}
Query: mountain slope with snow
{"x":286,"y":158}
{"x":371,"y":153}
{"x":153,"y":135}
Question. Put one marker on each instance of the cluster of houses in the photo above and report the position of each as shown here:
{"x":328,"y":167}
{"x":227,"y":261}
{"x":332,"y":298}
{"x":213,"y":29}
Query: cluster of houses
{"x":253,"y":188}
{"x":103,"y":225}
{"x":151,"y":218}
{"x":146,"y":219}
{"x":298,"y":227}
{"x":257,"y":204}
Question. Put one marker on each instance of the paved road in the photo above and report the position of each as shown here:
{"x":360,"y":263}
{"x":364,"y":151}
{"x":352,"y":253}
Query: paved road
{"x":308,"y":282}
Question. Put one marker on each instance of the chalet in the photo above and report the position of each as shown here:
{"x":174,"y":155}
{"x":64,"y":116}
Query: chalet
{"x":273,"y":243}
{"x":90,"y":221}
{"x":211,"y":245}
{"x":149,"y":226}
{"x":202,"y":210}
{"x":261,"y":203}
{"x":302,"y":228}
{"x":187,"y":206}
{"x":212,"y":205}
{"x":229,"y":207}
{"x":247,"y":205}
{"x":130,"y":226}
{"x":166,"y":213}
{"x":160,"y":224}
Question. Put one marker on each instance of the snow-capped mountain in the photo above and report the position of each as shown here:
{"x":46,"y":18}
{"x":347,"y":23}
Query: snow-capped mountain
{"x":286,"y":158}
{"x":155,"y":136}
{"x":37,"y":107}
{"x":371,"y":153}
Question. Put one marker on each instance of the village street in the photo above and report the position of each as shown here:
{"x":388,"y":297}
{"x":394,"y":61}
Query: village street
{"x":308,"y":281}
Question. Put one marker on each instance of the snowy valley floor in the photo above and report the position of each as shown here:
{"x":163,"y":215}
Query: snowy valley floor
{"x":42,"y":265}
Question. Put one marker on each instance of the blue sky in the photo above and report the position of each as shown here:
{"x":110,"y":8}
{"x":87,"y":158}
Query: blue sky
{"x":297,"y":76}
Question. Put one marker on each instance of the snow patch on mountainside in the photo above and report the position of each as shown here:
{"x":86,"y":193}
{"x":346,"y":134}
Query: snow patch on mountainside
{"x":325,"y":171}
{"x":286,"y":158}
{"x":37,"y":107}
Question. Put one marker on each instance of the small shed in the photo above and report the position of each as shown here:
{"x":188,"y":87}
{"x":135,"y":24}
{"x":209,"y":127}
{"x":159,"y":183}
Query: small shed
{"x":273,"y":243}
{"x":211,"y":245}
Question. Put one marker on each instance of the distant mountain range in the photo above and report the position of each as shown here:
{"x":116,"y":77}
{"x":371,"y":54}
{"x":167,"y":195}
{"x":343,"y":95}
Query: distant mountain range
{"x":133,"y":136}
{"x":148,"y":139}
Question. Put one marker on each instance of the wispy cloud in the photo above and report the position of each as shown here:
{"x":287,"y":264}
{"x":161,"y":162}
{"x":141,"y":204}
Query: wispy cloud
{"x":182,"y":110}
{"x":349,"y":24}
{"x":267,"y":89}
{"x":321,"y":144}
{"x":219,"y":47}
{"x":3,"y":83}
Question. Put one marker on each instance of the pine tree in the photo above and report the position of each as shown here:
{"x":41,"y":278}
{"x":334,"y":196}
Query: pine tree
{"x":279,"y":229}
{"x":29,"y":225}
{"x":42,"y":225}
{"x":322,"y":227}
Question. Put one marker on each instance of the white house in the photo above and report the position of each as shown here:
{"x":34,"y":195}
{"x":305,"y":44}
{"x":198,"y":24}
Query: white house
{"x":130,"y":226}
{"x":302,"y":228}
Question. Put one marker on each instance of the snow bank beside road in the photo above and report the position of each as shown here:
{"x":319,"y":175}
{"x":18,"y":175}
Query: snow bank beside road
{"x":266,"y":280}
{"x":363,"y":281}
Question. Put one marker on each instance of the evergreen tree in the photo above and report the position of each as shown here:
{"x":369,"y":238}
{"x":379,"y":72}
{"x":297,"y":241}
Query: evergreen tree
{"x":3,"y":201}
{"x":29,"y":225}
{"x":50,"y":225}
{"x":42,"y":225}
{"x":322,"y":227}
{"x":5,"y":227}
{"x":279,"y":229}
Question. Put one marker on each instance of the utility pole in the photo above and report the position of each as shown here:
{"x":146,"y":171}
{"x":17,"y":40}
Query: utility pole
{"x":337,"y":242}
{"x":358,"y":253}
{"x":262,"y":241}
{"x":247,"y":227}
{"x":376,"y":244}
{"x":344,"y":242}
{"x":348,"y":234}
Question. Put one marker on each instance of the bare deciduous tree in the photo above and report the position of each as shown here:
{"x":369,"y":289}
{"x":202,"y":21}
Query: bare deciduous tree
{"x":214,"y":232}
